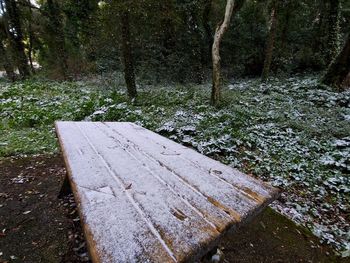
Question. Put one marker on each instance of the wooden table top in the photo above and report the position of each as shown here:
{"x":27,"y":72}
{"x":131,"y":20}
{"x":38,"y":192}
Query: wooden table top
{"x":144,"y":198}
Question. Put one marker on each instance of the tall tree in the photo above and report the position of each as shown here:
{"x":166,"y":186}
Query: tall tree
{"x":15,"y":34}
{"x":4,"y":56}
{"x":56,"y":38}
{"x":129,"y":72}
{"x":339,"y":68}
{"x":270,"y":41}
{"x":6,"y":63}
{"x":232,"y":7}
{"x":30,"y":36}
{"x":333,"y":30}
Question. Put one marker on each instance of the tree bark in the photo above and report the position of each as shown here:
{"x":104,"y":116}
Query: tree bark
{"x":270,"y":43}
{"x":319,"y":27}
{"x":16,"y":37}
{"x":57,"y":43}
{"x":6,"y":63}
{"x":333,"y":30}
{"x":232,"y":7}
{"x":129,"y":73}
{"x":30,"y":34}
{"x":339,"y":69}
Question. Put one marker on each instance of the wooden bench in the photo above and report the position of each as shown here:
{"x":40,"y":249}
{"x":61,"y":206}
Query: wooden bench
{"x":144,"y":198}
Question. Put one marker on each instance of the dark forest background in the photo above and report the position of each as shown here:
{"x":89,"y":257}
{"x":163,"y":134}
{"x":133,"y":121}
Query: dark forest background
{"x":168,"y":40}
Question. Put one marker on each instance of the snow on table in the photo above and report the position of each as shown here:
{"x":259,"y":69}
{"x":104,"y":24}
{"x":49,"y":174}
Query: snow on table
{"x":144,"y":198}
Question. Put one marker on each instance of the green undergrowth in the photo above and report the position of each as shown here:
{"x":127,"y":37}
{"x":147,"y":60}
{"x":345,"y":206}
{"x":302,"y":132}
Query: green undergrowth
{"x":290,"y":132}
{"x":28,"y":110}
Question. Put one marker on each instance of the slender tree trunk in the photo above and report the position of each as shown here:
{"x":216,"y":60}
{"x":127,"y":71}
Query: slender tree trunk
{"x":270,"y":43}
{"x":339,"y":69}
{"x":6,"y":63}
{"x":129,"y":73}
{"x":30,"y":33}
{"x":333,"y":30}
{"x":232,"y":7}
{"x":319,"y":28}
{"x":16,"y":36}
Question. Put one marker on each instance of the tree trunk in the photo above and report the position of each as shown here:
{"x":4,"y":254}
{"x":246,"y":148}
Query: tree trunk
{"x":16,"y":37}
{"x":319,"y":28}
{"x":270,"y":43}
{"x":333,"y":30}
{"x":219,"y":33}
{"x":57,"y":44}
{"x":129,"y":73}
{"x":6,"y":63}
{"x":339,"y":69}
{"x":30,"y":33}
{"x":232,"y":7}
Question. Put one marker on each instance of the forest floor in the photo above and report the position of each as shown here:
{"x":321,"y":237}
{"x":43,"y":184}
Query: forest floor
{"x":290,"y":132}
{"x":36,"y":226}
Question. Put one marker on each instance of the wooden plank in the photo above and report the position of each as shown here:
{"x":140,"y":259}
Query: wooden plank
{"x":232,"y":187}
{"x":111,"y":222}
{"x":145,"y":198}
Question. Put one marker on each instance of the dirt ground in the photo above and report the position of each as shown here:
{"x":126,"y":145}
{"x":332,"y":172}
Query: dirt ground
{"x":36,"y":226}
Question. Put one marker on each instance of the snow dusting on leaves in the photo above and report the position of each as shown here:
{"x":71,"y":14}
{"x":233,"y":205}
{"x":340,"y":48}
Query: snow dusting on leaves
{"x":290,"y":132}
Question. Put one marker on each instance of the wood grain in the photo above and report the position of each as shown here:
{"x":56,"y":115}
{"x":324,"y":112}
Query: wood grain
{"x":144,"y":198}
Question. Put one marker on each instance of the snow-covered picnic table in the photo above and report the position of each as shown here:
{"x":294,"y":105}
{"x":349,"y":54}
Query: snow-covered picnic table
{"x":144,"y":198}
